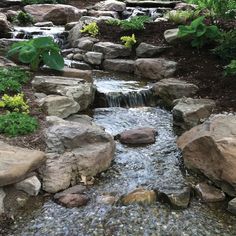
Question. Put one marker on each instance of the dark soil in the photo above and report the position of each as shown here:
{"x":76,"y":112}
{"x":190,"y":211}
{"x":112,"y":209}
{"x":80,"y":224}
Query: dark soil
{"x":202,"y":67}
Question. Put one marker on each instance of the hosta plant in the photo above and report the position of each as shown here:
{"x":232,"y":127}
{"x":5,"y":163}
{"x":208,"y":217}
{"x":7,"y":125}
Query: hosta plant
{"x":129,"y":41}
{"x":92,"y":29}
{"x":37,"y":52}
{"x":199,"y":33}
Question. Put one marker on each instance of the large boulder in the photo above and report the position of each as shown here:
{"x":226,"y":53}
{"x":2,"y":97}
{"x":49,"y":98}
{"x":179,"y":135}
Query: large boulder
{"x":210,"y":148}
{"x":111,"y":5}
{"x":154,"y":69}
{"x":189,"y":112}
{"x":119,"y":65}
{"x":78,"y":89}
{"x":16,"y":163}
{"x":170,"y":89}
{"x":112,"y":50}
{"x":74,"y":150}
{"x":5,"y":26}
{"x":59,"y":14}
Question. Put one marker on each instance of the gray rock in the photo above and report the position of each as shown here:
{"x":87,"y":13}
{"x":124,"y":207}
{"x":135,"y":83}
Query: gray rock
{"x":94,"y":58}
{"x":112,"y":14}
{"x":17,"y":163}
{"x":111,"y":50}
{"x":170,"y":89}
{"x":149,"y":50}
{"x":2,"y":196}
{"x":80,"y":65}
{"x":119,"y":65}
{"x":209,"y":193}
{"x":74,"y":150}
{"x":190,"y":112}
{"x":44,"y":24}
{"x":171,"y":35}
{"x":86,"y":43}
{"x":30,"y":185}
{"x":73,"y":200}
{"x":5,"y":26}
{"x":111,"y":5}
{"x":70,"y":25}
{"x":60,"y":106}
{"x":72,"y":190}
{"x":232,"y":206}
{"x":78,"y":57}
{"x":154,"y":69}
{"x":82,"y":119}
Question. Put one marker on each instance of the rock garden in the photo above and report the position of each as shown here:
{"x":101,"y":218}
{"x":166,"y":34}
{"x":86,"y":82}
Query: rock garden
{"x":117,"y":117}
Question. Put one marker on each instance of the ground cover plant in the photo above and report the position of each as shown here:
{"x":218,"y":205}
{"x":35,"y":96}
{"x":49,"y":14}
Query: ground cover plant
{"x":23,"y":19}
{"x":129,"y":41}
{"x":37,"y":52}
{"x":182,"y":17}
{"x":91,"y":29}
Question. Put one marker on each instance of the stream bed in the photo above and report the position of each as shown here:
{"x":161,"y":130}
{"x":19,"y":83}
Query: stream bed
{"x":155,"y":166}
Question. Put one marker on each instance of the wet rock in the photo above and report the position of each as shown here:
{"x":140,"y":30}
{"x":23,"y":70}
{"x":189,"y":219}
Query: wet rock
{"x":112,"y":14}
{"x":232,"y":206}
{"x":138,"y":136}
{"x":2,"y":196}
{"x":171,"y":35}
{"x":107,"y":199}
{"x":170,"y":89}
{"x":80,"y":65}
{"x":82,"y":119}
{"x":86,"y":43}
{"x":119,"y":65}
{"x":5,"y":26}
{"x":154,"y":69}
{"x":111,"y":50}
{"x":73,"y":150}
{"x":17,"y":163}
{"x":44,"y":24}
{"x":60,"y":106}
{"x":210,"y":148}
{"x":189,"y":112}
{"x":139,"y":195}
{"x":73,"y":88}
{"x":70,"y":25}
{"x":178,"y":199}
{"x":149,"y":50}
{"x":73,"y":200}
{"x":111,"y":5}
{"x":30,"y":185}
{"x":209,"y":193}
{"x":59,"y":14}
{"x":72,"y":190}
{"x":94,"y":58}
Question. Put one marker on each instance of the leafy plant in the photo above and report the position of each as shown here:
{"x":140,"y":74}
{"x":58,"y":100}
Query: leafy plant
{"x":23,"y":19}
{"x":14,"y":124}
{"x":129,"y":41}
{"x":14,"y":103}
{"x":134,"y":23}
{"x":181,"y":17}
{"x":231,"y":68}
{"x":92,"y":29}
{"x":30,"y":2}
{"x":38,"y":51}
{"x":226,"y":49}
{"x":12,"y":79}
{"x":199,"y":32}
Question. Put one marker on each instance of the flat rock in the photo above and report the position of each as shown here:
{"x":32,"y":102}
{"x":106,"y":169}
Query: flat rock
{"x":73,"y":200}
{"x":139,"y":195}
{"x":154,"y":68}
{"x":110,"y":5}
{"x":189,"y":112}
{"x":149,"y":50}
{"x":72,"y":190}
{"x":138,"y":136}
{"x":210,"y":148}
{"x":209,"y":193}
{"x":119,"y":65}
{"x":94,"y":58}
{"x":86,"y":43}
{"x":107,"y":199}
{"x":16,"y":163}
{"x":31,"y":185}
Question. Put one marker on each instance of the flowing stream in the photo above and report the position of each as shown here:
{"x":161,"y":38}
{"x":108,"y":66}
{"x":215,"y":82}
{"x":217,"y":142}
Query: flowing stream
{"x":156,"y":166}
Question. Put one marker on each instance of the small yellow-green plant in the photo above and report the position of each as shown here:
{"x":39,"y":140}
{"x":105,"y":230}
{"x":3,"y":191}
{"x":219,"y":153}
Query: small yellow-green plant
{"x":182,"y":17}
{"x":129,"y":41}
{"x":92,"y":29}
{"x":15,"y":103}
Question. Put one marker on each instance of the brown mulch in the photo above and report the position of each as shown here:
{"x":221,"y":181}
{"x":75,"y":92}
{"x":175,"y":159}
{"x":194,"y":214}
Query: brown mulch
{"x":202,"y":67}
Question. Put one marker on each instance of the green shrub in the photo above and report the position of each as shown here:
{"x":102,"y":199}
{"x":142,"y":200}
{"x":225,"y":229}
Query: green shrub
{"x":199,"y":33}
{"x":30,"y":2}
{"x":14,"y":124}
{"x":135,"y":23}
{"x":231,"y":68}
{"x":38,"y":51}
{"x":129,"y":41}
{"x":12,"y":79}
{"x":14,"y":103}
{"x":181,"y":17}
{"x":227,"y":46}
{"x":92,"y":29}
{"x":23,"y":19}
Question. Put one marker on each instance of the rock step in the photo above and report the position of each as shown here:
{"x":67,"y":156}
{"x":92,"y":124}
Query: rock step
{"x":148,"y":4}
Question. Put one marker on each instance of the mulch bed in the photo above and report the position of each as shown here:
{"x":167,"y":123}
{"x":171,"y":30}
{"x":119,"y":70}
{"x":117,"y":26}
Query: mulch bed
{"x":202,"y":67}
